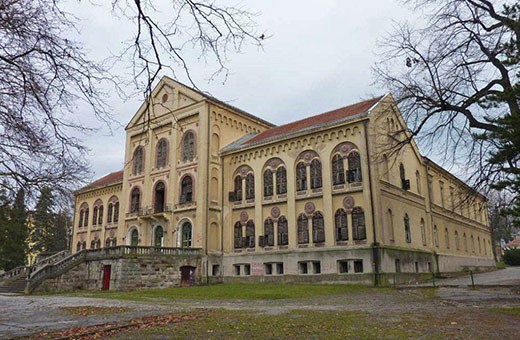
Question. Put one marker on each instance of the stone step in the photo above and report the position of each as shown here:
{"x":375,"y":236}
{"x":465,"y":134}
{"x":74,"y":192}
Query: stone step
{"x":14,"y":286}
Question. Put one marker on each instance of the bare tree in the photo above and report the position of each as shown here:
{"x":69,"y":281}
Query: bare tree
{"x":456,"y":79}
{"x":45,"y":76}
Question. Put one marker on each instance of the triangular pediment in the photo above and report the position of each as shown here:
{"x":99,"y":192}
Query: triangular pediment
{"x":167,"y":96}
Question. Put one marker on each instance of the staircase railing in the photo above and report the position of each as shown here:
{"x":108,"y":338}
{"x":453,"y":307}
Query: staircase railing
{"x":69,"y":262}
{"x":21,"y":270}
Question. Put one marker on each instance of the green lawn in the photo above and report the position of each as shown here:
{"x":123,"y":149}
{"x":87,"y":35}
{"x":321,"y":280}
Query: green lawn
{"x":260,"y":291}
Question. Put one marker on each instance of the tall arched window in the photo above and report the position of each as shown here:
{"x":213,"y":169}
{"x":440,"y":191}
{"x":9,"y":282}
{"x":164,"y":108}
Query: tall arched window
{"x":354,"y":167}
{"x":188,"y":146}
{"x":435,"y":236}
{"x":250,"y":186}
{"x":407,"y":232}
{"x":269,"y":232}
{"x":138,"y":161}
{"x":116,"y":212}
{"x":479,"y":247}
{"x":405,"y":184}
{"x":358,"y":224}
{"x":457,"y":245}
{"x":338,"y":170}
{"x":418,"y":181}
{"x":238,"y":235}
{"x":390,"y":218}
{"x":447,"y":238}
{"x":238,"y":188}
{"x":159,"y":197}
{"x":281,"y":180}
{"x":186,"y":189}
{"x":94,"y":216}
{"x":81,"y":216}
{"x":134,"y":238}
{"x":318,"y":228}
{"x":186,"y":235}
{"x":135,"y":200}
{"x":161,"y":153}
{"x":423,"y":232}
{"x":316,"y":180}
{"x":303,"y":229}
{"x":250,"y":234}
{"x":158,"y":236}
{"x":100,"y":215}
{"x":472,"y":244}
{"x":301,"y":176}
{"x":465,"y":242}
{"x":283,"y":231}
{"x":340,"y":221}
{"x":85,"y":220}
{"x":268,"y":183}
{"x":110,"y":212}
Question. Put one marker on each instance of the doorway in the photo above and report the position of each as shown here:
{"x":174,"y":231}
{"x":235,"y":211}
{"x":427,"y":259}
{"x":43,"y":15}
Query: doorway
{"x":187,"y":276}
{"x":107,"y":270}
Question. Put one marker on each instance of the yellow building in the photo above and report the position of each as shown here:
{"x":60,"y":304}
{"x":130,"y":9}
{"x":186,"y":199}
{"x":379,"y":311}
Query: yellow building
{"x":324,"y":198}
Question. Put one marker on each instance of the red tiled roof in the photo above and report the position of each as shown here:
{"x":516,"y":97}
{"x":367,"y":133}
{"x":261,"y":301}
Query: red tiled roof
{"x":514,"y":243}
{"x":317,"y":120}
{"x":105,"y":180}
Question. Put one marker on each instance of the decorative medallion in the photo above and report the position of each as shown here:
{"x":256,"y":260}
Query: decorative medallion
{"x":308,"y":156}
{"x":244,"y":216}
{"x":275,"y":212}
{"x":309,"y":207}
{"x":274,"y":163}
{"x":164,"y":97}
{"x":112,"y":233}
{"x":243,"y":170}
{"x":348,"y":202}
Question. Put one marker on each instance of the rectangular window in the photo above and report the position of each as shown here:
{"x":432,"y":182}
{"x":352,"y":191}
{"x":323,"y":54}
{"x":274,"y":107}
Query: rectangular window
{"x":343,"y":266}
{"x":237,"y":269}
{"x":215,"y":270}
{"x":416,"y":267}
{"x":430,"y":269}
{"x":397,"y":265}
{"x":268,"y":267}
{"x":358,"y":266}
{"x":316,"y":267}
{"x":247,"y":269}
{"x":302,"y":267}
{"x":279,"y":268}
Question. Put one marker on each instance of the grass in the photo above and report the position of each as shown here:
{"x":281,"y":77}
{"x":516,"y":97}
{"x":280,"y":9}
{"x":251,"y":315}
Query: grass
{"x":260,"y":291}
{"x":297,"y":324}
{"x":515,"y":311}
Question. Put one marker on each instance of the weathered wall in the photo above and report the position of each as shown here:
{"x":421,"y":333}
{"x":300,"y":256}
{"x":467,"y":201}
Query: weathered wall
{"x":127,"y":273}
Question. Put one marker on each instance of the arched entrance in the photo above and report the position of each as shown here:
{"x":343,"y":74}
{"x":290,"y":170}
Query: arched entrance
{"x":134,"y":238}
{"x":186,"y":235}
{"x":159,"y":197}
{"x":187,"y":276}
{"x":158,"y":240}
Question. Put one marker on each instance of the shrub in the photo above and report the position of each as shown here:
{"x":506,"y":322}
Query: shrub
{"x":512,"y":257}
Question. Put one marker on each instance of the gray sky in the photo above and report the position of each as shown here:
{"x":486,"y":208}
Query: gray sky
{"x":318,"y":59}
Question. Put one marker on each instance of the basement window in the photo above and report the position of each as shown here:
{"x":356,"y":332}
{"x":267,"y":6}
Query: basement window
{"x":343,"y":266}
{"x":358,"y":266}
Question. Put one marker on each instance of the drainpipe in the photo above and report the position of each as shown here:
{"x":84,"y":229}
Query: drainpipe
{"x":375,"y":246}
{"x":208,"y":177}
{"x":436,"y":256}
{"x":223,"y":196}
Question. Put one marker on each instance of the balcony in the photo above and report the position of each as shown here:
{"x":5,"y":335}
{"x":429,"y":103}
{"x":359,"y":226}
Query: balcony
{"x":151,"y":212}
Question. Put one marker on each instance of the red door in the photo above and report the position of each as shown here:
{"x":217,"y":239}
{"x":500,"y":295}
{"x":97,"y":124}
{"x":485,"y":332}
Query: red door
{"x":106,"y":277}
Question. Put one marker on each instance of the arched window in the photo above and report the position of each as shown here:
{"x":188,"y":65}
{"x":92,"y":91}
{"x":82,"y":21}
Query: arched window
{"x":78,"y":246}
{"x":188,"y":146}
{"x":447,"y":238}
{"x":107,"y":242}
{"x":238,"y":235}
{"x":161,"y":153}
{"x":318,"y":228}
{"x":479,"y":247}
{"x":472,"y":244}
{"x":158,"y":236}
{"x":354,"y":167}
{"x":338,"y":170}
{"x":340,"y":221}
{"x":390,"y":217}
{"x":81,"y":217}
{"x":85,"y":221}
{"x":301,"y":176}
{"x":465,"y":241}
{"x":116,"y":212}
{"x":95,"y":216}
{"x":84,"y":245}
{"x":138,"y":161}
{"x":186,"y":189}
{"x":250,"y":186}
{"x":303,"y":229}
{"x":281,"y":180}
{"x":316,"y":181}
{"x":423,"y":232}
{"x":268,"y":183}
{"x":135,"y":200}
{"x":418,"y":181}
{"x":250,"y":234}
{"x":110,"y":212}
{"x":407,"y":232}
{"x":100,"y":215}
{"x":457,"y":245}
{"x":358,"y":224}
{"x":269,"y":232}
{"x":405,"y":184}
{"x":159,"y":197}
{"x":93,"y":244}
{"x":283,"y":231}
{"x":435,"y":236}
{"x":134,"y":238}
{"x":186,"y":235}
{"x":238,"y":188}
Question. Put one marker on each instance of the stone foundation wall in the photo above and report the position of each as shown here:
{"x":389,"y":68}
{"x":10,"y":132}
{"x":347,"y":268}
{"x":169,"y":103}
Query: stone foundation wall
{"x":127,"y":273}
{"x":449,"y":264}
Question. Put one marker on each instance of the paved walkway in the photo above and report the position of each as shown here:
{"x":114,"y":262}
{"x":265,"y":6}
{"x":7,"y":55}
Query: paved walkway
{"x":509,"y":276}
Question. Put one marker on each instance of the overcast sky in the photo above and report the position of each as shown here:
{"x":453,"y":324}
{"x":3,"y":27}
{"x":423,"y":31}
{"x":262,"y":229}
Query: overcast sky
{"x":318,"y":58}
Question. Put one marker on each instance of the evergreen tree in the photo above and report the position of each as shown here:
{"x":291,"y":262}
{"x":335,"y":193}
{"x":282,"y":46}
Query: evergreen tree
{"x":16,"y":242}
{"x":4,"y":226}
{"x":43,"y":230}
{"x":61,"y":224}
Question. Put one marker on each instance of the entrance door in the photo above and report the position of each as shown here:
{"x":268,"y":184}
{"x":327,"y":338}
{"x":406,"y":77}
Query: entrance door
{"x":187,"y":276}
{"x":107,"y":269}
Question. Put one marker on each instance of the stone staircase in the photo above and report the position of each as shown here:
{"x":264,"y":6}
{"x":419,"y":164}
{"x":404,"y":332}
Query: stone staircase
{"x":14,"y":286}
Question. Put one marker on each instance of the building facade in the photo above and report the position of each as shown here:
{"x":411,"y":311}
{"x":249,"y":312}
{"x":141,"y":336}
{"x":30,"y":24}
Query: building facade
{"x":328,"y":197}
